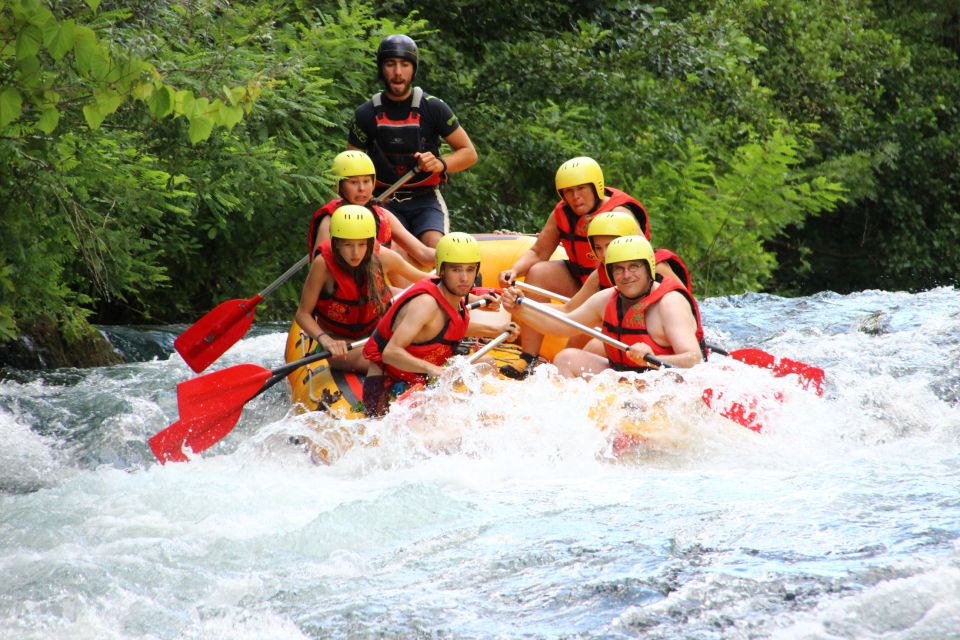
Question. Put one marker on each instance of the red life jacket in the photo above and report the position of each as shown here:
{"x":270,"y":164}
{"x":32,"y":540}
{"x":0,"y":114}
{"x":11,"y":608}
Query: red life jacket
{"x":384,"y":234}
{"x":660,"y":255}
{"x":630,"y":325}
{"x":341,"y":312}
{"x":437,"y":350}
{"x":395,"y":142}
{"x":675,"y":263}
{"x":573,"y":229}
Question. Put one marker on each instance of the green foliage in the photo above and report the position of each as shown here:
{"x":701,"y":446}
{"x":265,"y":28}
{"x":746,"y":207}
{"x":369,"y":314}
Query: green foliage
{"x":159,"y":157}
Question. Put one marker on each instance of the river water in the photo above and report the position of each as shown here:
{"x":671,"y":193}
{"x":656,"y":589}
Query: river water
{"x":503,"y":513}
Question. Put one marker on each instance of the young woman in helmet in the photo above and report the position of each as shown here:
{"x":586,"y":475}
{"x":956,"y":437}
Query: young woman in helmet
{"x":401,"y":128}
{"x":583,"y":196}
{"x":355,"y":175}
{"x":346,"y":292}
{"x":655,"y":316}
{"x":422,"y":329}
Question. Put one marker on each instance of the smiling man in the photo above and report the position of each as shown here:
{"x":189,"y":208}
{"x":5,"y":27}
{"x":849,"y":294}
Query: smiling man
{"x":653,"y":315}
{"x":400,"y":128}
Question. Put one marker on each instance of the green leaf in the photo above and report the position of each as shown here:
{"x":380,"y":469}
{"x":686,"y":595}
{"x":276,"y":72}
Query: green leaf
{"x":230,"y":115}
{"x":37,"y":14}
{"x":84,"y":47}
{"x":59,"y":40}
{"x":142,"y":91}
{"x":30,"y":72}
{"x":28,"y":42}
{"x":49,"y":119}
{"x":10,"y":106}
{"x":93,"y":4}
{"x":93,"y":116}
{"x":184,"y":103}
{"x":107,"y":101}
{"x":200,"y":128}
{"x":161,"y":102}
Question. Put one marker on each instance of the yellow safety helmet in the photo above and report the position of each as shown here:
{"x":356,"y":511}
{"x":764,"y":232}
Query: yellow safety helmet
{"x":613,"y":223}
{"x":353,"y":222}
{"x":352,"y":163}
{"x":457,"y":247}
{"x":627,"y":248}
{"x":580,"y":170}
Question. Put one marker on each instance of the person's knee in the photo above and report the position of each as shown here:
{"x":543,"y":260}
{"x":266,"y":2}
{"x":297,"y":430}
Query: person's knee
{"x":540,"y":273}
{"x":553,"y":275}
{"x":430,"y":238}
{"x":568,"y":363}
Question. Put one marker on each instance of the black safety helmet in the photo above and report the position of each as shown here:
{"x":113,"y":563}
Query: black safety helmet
{"x":397,"y":46}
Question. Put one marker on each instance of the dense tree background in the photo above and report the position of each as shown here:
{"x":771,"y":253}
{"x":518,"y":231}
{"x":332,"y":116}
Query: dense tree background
{"x":158,"y":157}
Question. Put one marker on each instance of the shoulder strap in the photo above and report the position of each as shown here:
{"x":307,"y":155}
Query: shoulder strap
{"x":417,"y":98}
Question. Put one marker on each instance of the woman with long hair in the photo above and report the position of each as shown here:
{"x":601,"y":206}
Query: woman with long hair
{"x":346,"y":291}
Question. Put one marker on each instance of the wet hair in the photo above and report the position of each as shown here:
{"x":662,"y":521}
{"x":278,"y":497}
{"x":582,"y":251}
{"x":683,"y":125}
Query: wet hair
{"x":368,"y":275}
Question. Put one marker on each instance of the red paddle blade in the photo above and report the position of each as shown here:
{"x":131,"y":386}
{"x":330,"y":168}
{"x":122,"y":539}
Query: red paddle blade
{"x":198,"y":433}
{"x":220,"y":391}
{"x":209,"y":337}
{"x":210,"y":407}
{"x":809,"y":376}
{"x":747,"y":411}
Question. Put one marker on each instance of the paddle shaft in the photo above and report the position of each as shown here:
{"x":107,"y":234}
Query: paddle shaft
{"x":487,"y":348}
{"x":716,"y":348}
{"x":300,"y":264}
{"x":602,"y":337}
{"x":404,"y":179}
{"x":532,"y":288}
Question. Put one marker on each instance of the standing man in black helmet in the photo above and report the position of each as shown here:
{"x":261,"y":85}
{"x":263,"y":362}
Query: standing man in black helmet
{"x":400,"y":128}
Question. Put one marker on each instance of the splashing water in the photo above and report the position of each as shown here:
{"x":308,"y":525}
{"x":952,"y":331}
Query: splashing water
{"x":487,"y":508}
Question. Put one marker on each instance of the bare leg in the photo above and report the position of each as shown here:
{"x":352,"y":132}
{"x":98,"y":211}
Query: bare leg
{"x":574,"y":363}
{"x":553,"y":276}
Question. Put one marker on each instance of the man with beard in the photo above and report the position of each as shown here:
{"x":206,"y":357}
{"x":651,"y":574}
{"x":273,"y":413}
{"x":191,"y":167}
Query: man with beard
{"x":424,"y":326}
{"x":400,"y":128}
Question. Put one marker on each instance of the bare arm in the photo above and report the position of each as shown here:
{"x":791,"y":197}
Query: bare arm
{"x":394,"y":264}
{"x":463,"y":157}
{"x":590,"y":287}
{"x":323,"y":232}
{"x":546,"y":243}
{"x":419,"y":251}
{"x":490,"y":325}
{"x":410,"y":322}
{"x":312,"y":288}
{"x":680,"y":327}
{"x":589,"y":314}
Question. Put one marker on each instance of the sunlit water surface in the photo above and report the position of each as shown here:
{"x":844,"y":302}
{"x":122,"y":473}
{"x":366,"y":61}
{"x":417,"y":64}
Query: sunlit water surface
{"x":500,"y":510}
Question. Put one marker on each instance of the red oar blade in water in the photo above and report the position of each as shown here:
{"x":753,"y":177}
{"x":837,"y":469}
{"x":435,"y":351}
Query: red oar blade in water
{"x":746,"y":410}
{"x":209,"y":394}
{"x":809,"y":376}
{"x":210,"y":407}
